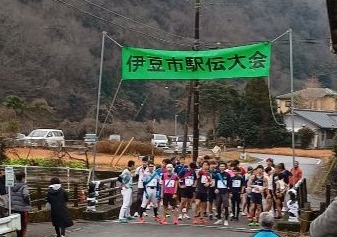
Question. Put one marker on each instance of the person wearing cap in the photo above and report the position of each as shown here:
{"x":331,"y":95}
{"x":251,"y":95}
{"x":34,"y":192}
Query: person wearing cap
{"x":266,"y":221}
{"x":258,"y":183}
{"x":140,"y":192}
{"x":169,"y":193}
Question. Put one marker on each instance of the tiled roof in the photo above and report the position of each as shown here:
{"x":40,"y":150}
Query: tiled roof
{"x":319,"y":92}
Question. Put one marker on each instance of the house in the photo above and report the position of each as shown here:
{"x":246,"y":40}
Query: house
{"x":323,"y":123}
{"x":320,"y":99}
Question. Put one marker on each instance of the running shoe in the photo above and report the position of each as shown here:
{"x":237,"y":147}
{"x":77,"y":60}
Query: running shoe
{"x":225,"y":223}
{"x":251,"y":224}
{"x":168,"y":215}
{"x":243,"y":214}
{"x":218,"y":222}
{"x":256,"y":224}
{"x":180,"y":217}
{"x":185,"y":216}
{"x":145,"y":214}
{"x":196,"y":220}
{"x":163,"y":221}
{"x":136,"y":214}
{"x":203,"y":221}
{"x":141,"y":220}
{"x":123,"y":220}
{"x":157,"y":219}
{"x":175,"y":221}
{"x":210,"y":216}
{"x":130,"y":218}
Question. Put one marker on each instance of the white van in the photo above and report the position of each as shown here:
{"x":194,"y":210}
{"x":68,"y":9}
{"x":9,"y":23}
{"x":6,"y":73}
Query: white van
{"x":45,"y":137}
{"x":179,"y":144}
{"x":159,"y":140}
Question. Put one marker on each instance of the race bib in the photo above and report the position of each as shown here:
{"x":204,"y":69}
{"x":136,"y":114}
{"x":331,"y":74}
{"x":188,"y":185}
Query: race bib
{"x":213,"y":183}
{"x":204,"y":179}
{"x":189,"y":182}
{"x":153,"y":183}
{"x":236,"y":183}
{"x":222,"y":184}
{"x":169,"y":183}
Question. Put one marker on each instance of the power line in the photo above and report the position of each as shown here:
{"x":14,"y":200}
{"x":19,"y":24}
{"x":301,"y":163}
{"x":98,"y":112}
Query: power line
{"x":137,"y":22}
{"x":116,"y":24}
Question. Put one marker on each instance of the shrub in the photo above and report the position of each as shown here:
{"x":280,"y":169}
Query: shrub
{"x":135,"y":147}
{"x":305,"y":135}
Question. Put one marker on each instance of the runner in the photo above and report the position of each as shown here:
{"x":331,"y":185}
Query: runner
{"x":151,"y":182}
{"x":268,"y":194}
{"x":140,"y":192}
{"x":169,"y":193}
{"x":203,"y":183}
{"x":258,"y":184}
{"x":246,"y":195}
{"x":187,"y":182}
{"x":237,"y":192}
{"x":280,"y":192}
{"x":126,"y":180}
{"x":211,"y":194}
{"x":222,"y":188}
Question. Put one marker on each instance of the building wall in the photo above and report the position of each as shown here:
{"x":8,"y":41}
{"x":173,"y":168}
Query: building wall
{"x":328,"y":103}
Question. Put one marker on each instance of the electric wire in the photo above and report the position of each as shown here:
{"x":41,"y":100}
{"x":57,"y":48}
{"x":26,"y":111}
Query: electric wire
{"x":111,"y":106}
{"x":137,"y":22}
{"x":118,"y":25}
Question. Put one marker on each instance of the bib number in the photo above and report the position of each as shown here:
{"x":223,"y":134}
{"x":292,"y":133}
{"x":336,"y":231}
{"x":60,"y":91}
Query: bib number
{"x":222,"y":184}
{"x":169,"y":183}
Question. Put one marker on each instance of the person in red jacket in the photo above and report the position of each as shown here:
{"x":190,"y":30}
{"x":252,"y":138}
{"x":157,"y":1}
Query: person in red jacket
{"x":297,"y":174}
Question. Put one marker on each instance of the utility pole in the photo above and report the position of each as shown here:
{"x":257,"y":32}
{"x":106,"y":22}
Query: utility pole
{"x":187,"y":117}
{"x":196,"y":86}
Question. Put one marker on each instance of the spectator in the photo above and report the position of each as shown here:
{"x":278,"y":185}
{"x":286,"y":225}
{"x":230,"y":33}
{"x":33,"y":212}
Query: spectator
{"x":325,"y":224}
{"x":297,"y":174}
{"x":21,"y":201}
{"x":57,"y":197}
{"x":266,"y":221}
{"x":3,"y":194}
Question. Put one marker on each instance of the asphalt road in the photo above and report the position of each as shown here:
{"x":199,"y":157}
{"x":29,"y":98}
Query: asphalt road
{"x":111,"y":228}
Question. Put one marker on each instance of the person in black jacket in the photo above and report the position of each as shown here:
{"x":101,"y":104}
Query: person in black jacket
{"x":57,"y":198}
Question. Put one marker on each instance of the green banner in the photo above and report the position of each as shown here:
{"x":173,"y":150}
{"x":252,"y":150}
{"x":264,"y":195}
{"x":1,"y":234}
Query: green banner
{"x":243,"y":61}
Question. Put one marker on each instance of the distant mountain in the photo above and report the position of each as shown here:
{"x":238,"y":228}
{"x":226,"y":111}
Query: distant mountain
{"x":50,"y":50}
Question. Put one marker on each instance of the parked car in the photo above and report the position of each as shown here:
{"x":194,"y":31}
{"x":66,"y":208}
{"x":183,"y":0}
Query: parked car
{"x":46,"y":137}
{"x":179,"y":144}
{"x":20,"y":139}
{"x":90,"y":139}
{"x":159,"y":140}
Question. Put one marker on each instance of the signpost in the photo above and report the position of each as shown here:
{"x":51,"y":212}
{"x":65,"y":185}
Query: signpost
{"x":9,"y":174}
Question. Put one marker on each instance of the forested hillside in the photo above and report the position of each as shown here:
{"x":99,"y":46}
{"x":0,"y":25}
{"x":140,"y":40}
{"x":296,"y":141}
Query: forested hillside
{"x":50,"y":51}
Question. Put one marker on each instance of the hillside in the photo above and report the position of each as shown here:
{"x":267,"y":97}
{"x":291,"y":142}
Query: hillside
{"x":50,"y":50}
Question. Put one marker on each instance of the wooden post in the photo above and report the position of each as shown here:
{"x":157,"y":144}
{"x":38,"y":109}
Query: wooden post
{"x":39,"y":197}
{"x":112,"y":193}
{"x":127,"y":146}
{"x":118,"y":148}
{"x":305,"y":191}
{"x":305,"y":218}
{"x":75,"y":195}
{"x":328,"y":195}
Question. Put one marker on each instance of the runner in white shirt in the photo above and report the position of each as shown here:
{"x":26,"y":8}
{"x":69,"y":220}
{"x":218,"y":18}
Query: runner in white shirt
{"x":140,"y":192}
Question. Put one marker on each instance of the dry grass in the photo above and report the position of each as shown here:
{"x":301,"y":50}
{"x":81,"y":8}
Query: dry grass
{"x":323,"y":154}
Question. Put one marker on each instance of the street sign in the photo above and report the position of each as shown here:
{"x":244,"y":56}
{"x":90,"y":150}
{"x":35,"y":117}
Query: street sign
{"x":9,"y":174}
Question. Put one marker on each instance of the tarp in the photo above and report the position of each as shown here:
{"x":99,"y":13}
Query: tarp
{"x":236,"y":62}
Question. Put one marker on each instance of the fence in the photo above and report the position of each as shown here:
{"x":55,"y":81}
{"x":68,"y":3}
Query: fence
{"x":108,"y":191}
{"x":38,"y":178}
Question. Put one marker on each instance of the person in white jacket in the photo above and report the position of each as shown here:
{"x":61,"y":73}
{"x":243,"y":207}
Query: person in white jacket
{"x":325,"y":224}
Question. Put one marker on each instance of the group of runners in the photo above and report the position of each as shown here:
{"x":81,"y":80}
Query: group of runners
{"x":221,"y":191}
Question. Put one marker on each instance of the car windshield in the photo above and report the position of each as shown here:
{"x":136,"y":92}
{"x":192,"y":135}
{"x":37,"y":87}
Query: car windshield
{"x":180,"y":139}
{"x":160,"y":137}
{"x":90,"y":136}
{"x":37,"y":133}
